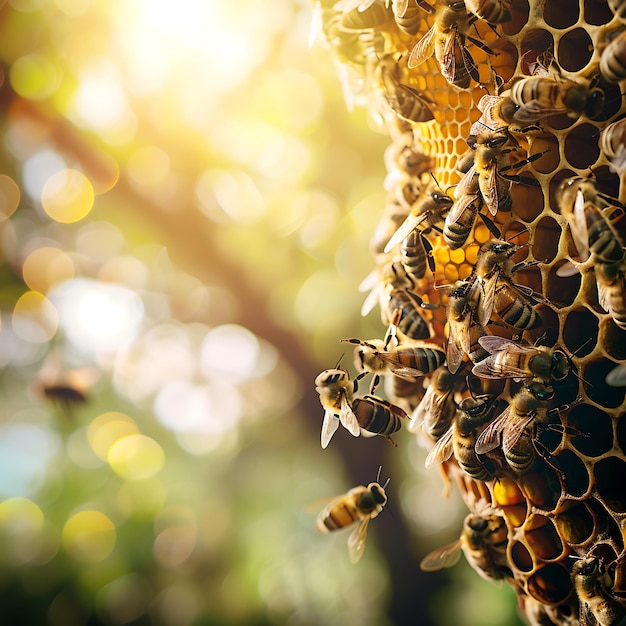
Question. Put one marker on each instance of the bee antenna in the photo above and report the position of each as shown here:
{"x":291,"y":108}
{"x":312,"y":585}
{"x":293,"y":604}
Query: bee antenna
{"x":380,"y":469}
{"x":338,"y":362}
{"x":580,"y":347}
{"x":436,"y":181}
{"x":517,"y":234}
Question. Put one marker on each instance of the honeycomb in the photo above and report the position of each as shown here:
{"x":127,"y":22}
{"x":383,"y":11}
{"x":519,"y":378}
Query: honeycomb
{"x":552,"y":200}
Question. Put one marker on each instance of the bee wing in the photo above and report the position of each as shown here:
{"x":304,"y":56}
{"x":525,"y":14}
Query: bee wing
{"x":578,"y":226}
{"x":617,"y":376}
{"x":444,"y":556}
{"x":316,"y":24}
{"x":372,"y":299}
{"x":329,"y":426}
{"x":493,"y":343}
{"x":442,"y":450}
{"x":348,"y":418}
{"x":357,"y":539}
{"x":487,"y":294}
{"x":514,"y":430}
{"x":423,"y":49}
{"x":467,"y":186}
{"x":489,"y":188}
{"x":423,"y":410}
{"x":535,"y":110}
{"x":459,"y":343}
{"x":567,"y":269}
{"x":404,"y":230}
{"x":401,"y":7}
{"x":489,"y":438}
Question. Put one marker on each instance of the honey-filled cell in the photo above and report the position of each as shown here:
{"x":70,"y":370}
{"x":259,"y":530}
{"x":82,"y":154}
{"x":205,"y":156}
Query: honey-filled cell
{"x":542,"y":538}
{"x":574,"y":523}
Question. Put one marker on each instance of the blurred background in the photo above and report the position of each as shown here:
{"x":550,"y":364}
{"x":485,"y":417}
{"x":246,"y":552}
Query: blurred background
{"x":185,"y":210}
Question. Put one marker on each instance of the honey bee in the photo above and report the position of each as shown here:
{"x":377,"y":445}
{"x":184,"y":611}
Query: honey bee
{"x":437,"y":408}
{"x":408,"y":15}
{"x":619,"y":8}
{"x":483,"y":540}
{"x":613,"y":59}
{"x":510,"y":429}
{"x":508,"y":359}
{"x":492,"y":148}
{"x":406,"y":102}
{"x":589,"y":214}
{"x":611,"y":283}
{"x":460,"y":322}
{"x":617,"y":376}
{"x":377,"y":416}
{"x":460,"y":220}
{"x":404,"y":156}
{"x":446,"y":40}
{"x":494,"y":267}
{"x":362,"y":15}
{"x":416,"y":253}
{"x":593,"y":585}
{"x":613,"y":145}
{"x":540,"y":97}
{"x":515,"y":308}
{"x":412,"y":324}
{"x":405,"y":361}
{"x":460,"y":439}
{"x":335,"y":390}
{"x":426,"y":213}
{"x":391,"y":274}
{"x":492,"y":11}
{"x":361,"y":504}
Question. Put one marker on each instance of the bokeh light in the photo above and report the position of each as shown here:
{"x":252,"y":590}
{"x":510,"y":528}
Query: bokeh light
{"x":89,"y":536}
{"x":67,"y":196}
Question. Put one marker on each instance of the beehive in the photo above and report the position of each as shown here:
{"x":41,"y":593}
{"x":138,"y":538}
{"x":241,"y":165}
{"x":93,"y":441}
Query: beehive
{"x":571,"y":501}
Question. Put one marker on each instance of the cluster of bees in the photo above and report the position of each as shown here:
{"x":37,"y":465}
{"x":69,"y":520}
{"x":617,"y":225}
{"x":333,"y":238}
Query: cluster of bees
{"x":474,"y":359}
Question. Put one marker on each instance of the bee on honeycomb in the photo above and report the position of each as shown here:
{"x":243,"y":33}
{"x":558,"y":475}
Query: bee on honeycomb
{"x":517,"y":106}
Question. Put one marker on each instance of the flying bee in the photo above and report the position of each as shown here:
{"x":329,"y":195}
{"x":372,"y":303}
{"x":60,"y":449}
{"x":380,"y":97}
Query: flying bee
{"x":613,"y":145}
{"x":335,"y":390}
{"x":408,"y":15}
{"x":540,"y":97}
{"x":492,"y":11}
{"x":590,"y":215}
{"x":377,"y":416}
{"x":437,"y":408}
{"x":508,"y":359}
{"x":361,"y":504}
{"x":613,"y":59}
{"x":427,"y":211}
{"x":593,"y":585}
{"x":611,"y":282}
{"x":412,"y":324}
{"x":459,"y":440}
{"x":405,"y":361}
{"x":515,"y":430}
{"x":483,"y":540}
{"x":446,"y":40}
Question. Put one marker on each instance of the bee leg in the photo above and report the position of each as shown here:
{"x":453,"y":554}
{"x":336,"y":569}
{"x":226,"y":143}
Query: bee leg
{"x":491,"y":227}
{"x":390,"y":440}
{"x":481,"y":45}
{"x":546,"y":455}
{"x":355,"y":382}
{"x":375,"y":382}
